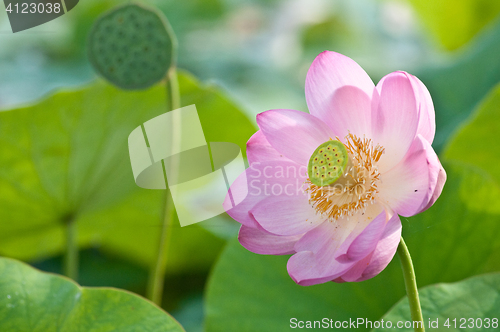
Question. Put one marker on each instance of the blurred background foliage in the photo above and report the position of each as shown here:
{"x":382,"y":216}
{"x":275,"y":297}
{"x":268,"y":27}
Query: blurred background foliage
{"x":254,"y":55}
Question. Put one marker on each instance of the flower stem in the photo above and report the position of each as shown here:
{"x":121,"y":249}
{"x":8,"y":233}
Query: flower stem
{"x":71,"y":256}
{"x":157,"y":274}
{"x":173,"y":94}
{"x":411,"y":286}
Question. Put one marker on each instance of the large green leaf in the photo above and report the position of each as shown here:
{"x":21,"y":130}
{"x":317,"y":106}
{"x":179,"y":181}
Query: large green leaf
{"x":34,"y":301}
{"x":454,"y":22}
{"x":448,"y":242}
{"x":458,"y":87}
{"x":476,"y":142}
{"x":67,"y":158}
{"x":472,"y":304}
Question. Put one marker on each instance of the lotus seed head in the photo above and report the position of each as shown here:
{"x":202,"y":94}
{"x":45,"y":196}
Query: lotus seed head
{"x":327,"y":163}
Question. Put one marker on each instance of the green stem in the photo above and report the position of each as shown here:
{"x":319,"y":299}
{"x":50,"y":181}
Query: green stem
{"x":157,"y":274}
{"x":173,"y":94}
{"x":71,"y":257}
{"x":411,"y":286}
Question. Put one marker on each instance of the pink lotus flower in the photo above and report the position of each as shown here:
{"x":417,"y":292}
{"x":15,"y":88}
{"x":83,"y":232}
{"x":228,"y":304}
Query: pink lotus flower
{"x":334,"y":206}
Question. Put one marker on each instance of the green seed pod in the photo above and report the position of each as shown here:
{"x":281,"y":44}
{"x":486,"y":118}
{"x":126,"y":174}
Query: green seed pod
{"x":132,"y":46}
{"x":327,"y":163}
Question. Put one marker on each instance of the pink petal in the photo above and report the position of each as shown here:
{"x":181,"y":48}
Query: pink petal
{"x":329,"y":72}
{"x":395,"y":120}
{"x":294,"y":134}
{"x":256,"y":182}
{"x":350,"y":112}
{"x":426,"y":121}
{"x":261,"y":242}
{"x":409,"y":186}
{"x":286,"y":215}
{"x":366,"y":241}
{"x":240,"y":211}
{"x":317,"y":265}
{"x":315,"y":261}
{"x":437,"y":178}
{"x":259,"y":149}
{"x":385,"y":250}
{"x":356,"y":271}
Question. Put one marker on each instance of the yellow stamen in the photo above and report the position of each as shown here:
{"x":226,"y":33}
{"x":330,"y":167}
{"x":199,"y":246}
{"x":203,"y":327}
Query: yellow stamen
{"x":356,"y":188}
